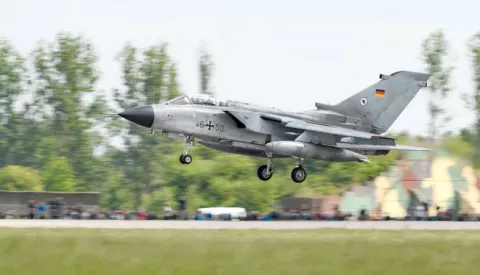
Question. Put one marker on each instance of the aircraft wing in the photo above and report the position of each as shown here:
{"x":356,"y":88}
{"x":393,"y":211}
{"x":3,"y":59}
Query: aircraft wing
{"x":243,"y":120}
{"x":353,"y":133}
{"x":331,"y":130}
{"x":325,"y":132}
{"x":322,"y":128}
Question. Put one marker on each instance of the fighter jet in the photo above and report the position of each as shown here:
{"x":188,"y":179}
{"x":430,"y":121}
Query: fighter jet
{"x":345,"y":132}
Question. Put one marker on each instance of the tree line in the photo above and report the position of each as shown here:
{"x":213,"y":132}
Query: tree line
{"x":57,"y":129}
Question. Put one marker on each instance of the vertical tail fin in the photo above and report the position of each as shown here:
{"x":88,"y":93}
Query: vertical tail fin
{"x":380,"y":104}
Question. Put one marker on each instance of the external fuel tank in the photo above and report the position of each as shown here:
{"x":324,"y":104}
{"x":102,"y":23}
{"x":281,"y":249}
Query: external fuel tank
{"x":310,"y":151}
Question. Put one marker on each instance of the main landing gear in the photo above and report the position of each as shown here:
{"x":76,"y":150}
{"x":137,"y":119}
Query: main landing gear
{"x":185,"y":158}
{"x":265,"y":172}
{"x":298,"y":173}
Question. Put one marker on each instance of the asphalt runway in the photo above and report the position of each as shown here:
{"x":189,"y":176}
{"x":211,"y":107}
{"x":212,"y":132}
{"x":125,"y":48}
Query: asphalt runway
{"x":275,"y":225}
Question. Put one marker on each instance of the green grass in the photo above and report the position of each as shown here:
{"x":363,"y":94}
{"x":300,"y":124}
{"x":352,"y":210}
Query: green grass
{"x":209,"y":252}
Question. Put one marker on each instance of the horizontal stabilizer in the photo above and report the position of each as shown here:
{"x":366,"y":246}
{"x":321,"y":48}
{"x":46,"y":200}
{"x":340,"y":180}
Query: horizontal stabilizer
{"x":380,"y":147}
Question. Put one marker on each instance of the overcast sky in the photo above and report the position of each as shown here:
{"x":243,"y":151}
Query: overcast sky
{"x":287,"y":54}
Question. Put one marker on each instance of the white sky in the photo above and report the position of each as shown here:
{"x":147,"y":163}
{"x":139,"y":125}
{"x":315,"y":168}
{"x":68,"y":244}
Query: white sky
{"x":287,"y":54}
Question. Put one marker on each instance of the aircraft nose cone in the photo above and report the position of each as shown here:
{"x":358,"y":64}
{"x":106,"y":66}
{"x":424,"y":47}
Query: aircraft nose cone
{"x":142,"y":115}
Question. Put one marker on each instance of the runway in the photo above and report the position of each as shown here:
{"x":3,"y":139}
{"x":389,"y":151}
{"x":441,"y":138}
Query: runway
{"x":239,"y":225}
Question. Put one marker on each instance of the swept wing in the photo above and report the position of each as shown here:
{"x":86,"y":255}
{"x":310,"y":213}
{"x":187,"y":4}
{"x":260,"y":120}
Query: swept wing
{"x":320,"y":128}
{"x":327,"y":130}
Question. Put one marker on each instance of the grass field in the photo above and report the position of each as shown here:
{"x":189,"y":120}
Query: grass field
{"x":209,"y":252}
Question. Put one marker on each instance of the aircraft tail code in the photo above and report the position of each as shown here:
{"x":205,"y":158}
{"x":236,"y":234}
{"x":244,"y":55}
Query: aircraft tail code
{"x":379,"y":93}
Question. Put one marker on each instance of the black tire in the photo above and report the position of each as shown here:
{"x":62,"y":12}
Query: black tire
{"x":299,"y":174}
{"x":262,"y":173}
{"x":187,"y":159}
{"x":181,"y":159}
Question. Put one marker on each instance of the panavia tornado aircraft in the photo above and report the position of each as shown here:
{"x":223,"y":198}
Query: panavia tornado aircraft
{"x":345,"y":132}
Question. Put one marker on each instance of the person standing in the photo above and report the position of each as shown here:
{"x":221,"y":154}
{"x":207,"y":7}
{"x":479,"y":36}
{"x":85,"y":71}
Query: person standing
{"x":41,"y":209}
{"x":31,"y":209}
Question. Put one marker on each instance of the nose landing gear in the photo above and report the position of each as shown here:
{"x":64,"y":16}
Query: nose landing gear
{"x":265,"y":172}
{"x":185,"y":158}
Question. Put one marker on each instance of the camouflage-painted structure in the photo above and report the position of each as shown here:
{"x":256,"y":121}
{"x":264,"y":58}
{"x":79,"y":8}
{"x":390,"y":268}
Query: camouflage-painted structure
{"x":433,"y":177}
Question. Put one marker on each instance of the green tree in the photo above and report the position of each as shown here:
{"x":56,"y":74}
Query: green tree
{"x":114,"y":197}
{"x":474,"y":49}
{"x":65,"y":75}
{"x":149,"y":78}
{"x":12,"y":76}
{"x":206,"y":71}
{"x":434,"y":52}
{"x":19,"y":178}
{"x":458,"y":147}
{"x":58,"y":175}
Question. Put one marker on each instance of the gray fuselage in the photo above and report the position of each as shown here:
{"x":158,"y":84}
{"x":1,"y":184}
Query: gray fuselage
{"x":216,"y":129}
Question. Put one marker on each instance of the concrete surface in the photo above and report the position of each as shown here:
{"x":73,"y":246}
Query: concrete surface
{"x":122,"y":224}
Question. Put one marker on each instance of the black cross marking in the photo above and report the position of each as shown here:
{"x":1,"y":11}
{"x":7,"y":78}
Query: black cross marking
{"x":209,"y":125}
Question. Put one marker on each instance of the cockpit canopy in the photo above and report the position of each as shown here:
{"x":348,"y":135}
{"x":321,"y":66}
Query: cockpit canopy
{"x":203,"y":99}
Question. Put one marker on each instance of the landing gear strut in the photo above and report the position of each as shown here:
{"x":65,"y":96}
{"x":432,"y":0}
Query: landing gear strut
{"x":298,"y":173}
{"x":185,"y":158}
{"x":265,"y":172}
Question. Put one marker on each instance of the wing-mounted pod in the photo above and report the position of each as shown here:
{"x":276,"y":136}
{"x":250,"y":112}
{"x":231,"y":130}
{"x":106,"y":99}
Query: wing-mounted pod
{"x":311,"y":151}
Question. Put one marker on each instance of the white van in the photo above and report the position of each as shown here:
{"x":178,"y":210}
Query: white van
{"x":235,"y":212}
